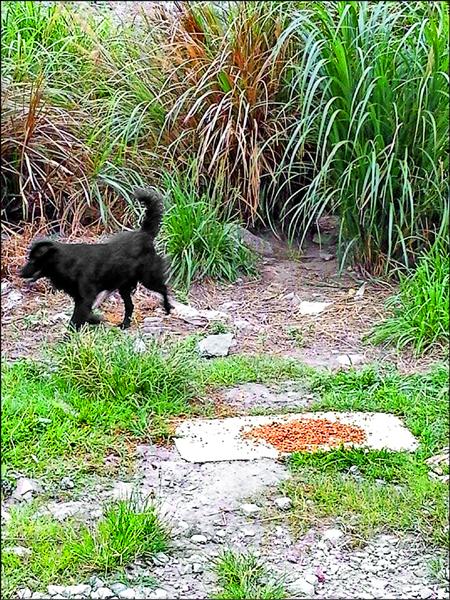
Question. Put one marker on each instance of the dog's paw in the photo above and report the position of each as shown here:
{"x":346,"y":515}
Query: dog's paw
{"x":124,"y":325}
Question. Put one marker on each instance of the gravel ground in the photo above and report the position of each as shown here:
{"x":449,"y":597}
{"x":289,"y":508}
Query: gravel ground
{"x":236,"y":505}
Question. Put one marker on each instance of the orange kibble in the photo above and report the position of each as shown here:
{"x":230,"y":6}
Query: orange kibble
{"x":307,"y":434}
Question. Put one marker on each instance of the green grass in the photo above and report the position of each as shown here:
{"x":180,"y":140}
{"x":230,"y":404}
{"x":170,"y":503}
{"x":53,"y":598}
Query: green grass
{"x":200,"y":243}
{"x":291,"y":110}
{"x":64,"y":553}
{"x":396,"y":492}
{"x":94,"y":394}
{"x":243,"y":576}
{"x":420,"y":311}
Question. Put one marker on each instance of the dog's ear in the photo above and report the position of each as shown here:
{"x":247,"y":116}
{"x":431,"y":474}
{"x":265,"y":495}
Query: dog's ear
{"x":41,"y":249}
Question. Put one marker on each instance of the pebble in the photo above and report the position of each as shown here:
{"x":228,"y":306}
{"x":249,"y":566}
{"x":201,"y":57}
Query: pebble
{"x":128,"y":593}
{"x":78,"y":590}
{"x":104,"y":592}
{"x":301,"y":586}
{"x":24,"y":593}
{"x":160,"y":594}
{"x":283,"y":503}
{"x":199,"y":539}
{"x":56,"y":589}
{"x":250,"y":509}
{"x":17,"y":550}
{"x":25,"y":489}
{"x":66,"y":483}
{"x":118,"y":587}
{"x":332,"y":535}
{"x":96,"y":583}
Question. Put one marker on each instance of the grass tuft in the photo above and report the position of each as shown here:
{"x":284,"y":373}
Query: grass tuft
{"x":243,"y":576}
{"x":62,"y":552}
{"x":421,"y":309}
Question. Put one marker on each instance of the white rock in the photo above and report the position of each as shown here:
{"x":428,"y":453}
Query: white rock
{"x":312,"y":308}
{"x":159,"y":594}
{"x":24,"y":593}
{"x":221,"y":533}
{"x":5,"y":285}
{"x":248,"y":532}
{"x":104,"y":592}
{"x":78,"y":590}
{"x":197,"y":568}
{"x":250,"y":509}
{"x":348,"y":360}
{"x":66,"y":483}
{"x":129,"y":593}
{"x":242,"y":324}
{"x":17,"y":550}
{"x":26,"y":488}
{"x":118,"y":587}
{"x":332,"y":535}
{"x":216,"y":345}
{"x":426,"y":593}
{"x":283,"y":503}
{"x":301,"y":586}
{"x":38,"y":596}
{"x":96,"y":583}
{"x":199,"y":539}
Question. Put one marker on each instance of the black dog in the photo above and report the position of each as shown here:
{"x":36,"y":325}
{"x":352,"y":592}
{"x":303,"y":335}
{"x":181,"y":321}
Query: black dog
{"x":85,"y":270}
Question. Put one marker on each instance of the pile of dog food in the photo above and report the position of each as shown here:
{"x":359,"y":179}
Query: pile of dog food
{"x":306,"y":434}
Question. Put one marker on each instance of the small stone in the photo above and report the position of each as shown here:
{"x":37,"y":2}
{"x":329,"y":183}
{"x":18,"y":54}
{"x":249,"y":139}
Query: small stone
{"x":197,"y":568}
{"x":95,"y":582}
{"x":159,"y":594}
{"x":77,"y":590}
{"x":250,"y":509}
{"x":248,"y":532}
{"x":24,"y":593}
{"x":118,"y":587}
{"x":38,"y":596}
{"x":426,"y":593}
{"x":312,"y":308}
{"x":332,"y":535}
{"x":216,"y":345}
{"x":128,"y":593}
{"x":104,"y":592}
{"x":66,"y":483}
{"x":26,"y":488}
{"x":199,"y":539}
{"x":160,"y":559}
{"x":221,"y":533}
{"x":311,"y":577}
{"x":349,"y":360}
{"x":301,"y":586}
{"x":17,"y":550}
{"x":283,"y":503}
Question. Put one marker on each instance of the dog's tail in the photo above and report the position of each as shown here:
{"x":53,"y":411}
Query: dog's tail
{"x":153,"y":202}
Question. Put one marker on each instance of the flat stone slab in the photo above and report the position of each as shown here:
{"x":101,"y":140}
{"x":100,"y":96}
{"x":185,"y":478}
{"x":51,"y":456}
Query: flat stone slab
{"x":211,"y":440}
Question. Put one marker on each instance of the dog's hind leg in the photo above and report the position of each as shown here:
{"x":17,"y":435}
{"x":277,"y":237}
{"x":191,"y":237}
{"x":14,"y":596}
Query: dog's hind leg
{"x":128,"y":303}
{"x":156,"y":284}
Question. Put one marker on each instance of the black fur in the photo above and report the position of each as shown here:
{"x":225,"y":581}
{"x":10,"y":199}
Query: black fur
{"x":85,"y":270}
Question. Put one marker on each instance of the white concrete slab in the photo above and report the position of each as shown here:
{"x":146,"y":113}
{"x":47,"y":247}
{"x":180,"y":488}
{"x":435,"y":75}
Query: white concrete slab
{"x":211,"y":440}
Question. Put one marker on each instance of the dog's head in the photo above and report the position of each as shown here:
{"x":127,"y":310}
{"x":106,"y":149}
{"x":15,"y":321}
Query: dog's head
{"x":41,"y":255}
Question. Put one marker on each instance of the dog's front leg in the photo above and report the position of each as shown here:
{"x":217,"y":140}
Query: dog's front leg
{"x":81,"y":314}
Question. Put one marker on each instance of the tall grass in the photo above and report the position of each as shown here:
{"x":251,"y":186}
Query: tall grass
{"x":380,"y":125}
{"x":420,"y":311}
{"x":199,"y":241}
{"x":295,"y":109}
